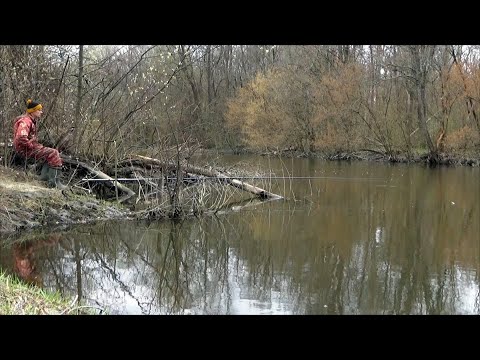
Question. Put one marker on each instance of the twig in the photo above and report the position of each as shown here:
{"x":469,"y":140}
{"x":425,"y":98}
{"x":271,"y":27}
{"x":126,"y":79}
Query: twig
{"x":67,"y":311}
{"x":74,"y":300}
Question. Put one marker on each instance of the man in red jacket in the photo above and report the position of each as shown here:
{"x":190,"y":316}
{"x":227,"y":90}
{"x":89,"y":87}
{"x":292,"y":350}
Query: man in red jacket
{"x":26,"y":144}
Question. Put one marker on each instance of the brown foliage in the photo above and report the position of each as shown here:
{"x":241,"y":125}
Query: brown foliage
{"x":337,"y":94}
{"x":256,"y":113}
{"x":461,"y":140}
{"x":289,"y":108}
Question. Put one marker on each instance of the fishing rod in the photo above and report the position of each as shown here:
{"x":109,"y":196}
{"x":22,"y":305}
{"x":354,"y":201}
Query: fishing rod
{"x":240,"y":177}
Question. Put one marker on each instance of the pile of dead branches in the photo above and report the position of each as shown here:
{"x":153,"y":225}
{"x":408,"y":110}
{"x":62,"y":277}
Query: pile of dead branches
{"x":160,"y":189}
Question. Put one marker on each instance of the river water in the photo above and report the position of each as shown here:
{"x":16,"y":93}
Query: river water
{"x":349,"y":238}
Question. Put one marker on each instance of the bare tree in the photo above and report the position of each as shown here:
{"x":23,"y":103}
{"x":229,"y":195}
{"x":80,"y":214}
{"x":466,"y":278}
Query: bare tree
{"x":421,"y":61}
{"x":79,"y":95}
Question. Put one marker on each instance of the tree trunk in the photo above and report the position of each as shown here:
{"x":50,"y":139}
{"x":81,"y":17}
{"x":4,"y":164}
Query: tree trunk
{"x":79,"y":98}
{"x":421,"y":56}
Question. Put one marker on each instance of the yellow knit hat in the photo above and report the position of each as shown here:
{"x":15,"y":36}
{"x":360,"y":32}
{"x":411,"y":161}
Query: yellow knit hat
{"x":33,"y":106}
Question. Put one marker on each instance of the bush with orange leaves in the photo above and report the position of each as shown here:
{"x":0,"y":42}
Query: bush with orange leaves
{"x":462,"y":140}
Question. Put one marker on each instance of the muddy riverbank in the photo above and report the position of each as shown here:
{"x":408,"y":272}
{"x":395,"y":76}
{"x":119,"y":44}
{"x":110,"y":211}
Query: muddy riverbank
{"x":27,"y":203}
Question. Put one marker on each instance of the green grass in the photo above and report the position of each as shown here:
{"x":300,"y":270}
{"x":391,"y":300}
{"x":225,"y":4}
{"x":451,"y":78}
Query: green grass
{"x":18,"y":298}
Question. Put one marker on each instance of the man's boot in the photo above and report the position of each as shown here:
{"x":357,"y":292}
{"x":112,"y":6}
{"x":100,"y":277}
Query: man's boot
{"x":54,"y":178}
{"x":44,"y":173}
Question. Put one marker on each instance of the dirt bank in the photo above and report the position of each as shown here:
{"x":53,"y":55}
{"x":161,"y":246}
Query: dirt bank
{"x":27,"y":203}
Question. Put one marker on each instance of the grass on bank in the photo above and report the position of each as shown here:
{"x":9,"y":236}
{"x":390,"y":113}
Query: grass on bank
{"x":18,"y":298}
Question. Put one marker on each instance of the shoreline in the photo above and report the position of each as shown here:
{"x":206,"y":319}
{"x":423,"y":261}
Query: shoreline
{"x":26,"y":203}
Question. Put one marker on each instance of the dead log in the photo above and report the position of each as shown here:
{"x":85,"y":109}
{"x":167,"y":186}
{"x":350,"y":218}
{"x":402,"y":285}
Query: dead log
{"x":241,"y":205}
{"x":129,"y":193}
{"x":262,"y":193}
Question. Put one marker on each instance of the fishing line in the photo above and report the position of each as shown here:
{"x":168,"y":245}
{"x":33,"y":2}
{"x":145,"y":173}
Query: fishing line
{"x":243,"y":177}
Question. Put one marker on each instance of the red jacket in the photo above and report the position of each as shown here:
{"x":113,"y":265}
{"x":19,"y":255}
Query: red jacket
{"x":25,"y":133}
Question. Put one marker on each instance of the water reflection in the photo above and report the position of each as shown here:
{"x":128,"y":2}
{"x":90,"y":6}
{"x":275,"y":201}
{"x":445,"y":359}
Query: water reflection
{"x":24,"y":258}
{"x":407,"y":244}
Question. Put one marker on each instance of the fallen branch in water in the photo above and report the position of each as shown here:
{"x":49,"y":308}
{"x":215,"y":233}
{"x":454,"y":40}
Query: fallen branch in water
{"x":129,"y":193}
{"x":262,"y":193}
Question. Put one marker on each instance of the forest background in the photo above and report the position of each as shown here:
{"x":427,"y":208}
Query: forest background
{"x":397,"y":100}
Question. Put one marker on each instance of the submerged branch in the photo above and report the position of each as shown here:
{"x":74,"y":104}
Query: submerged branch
{"x":262,"y":193}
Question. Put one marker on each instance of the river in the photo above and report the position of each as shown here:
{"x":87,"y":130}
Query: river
{"x":349,"y":238}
